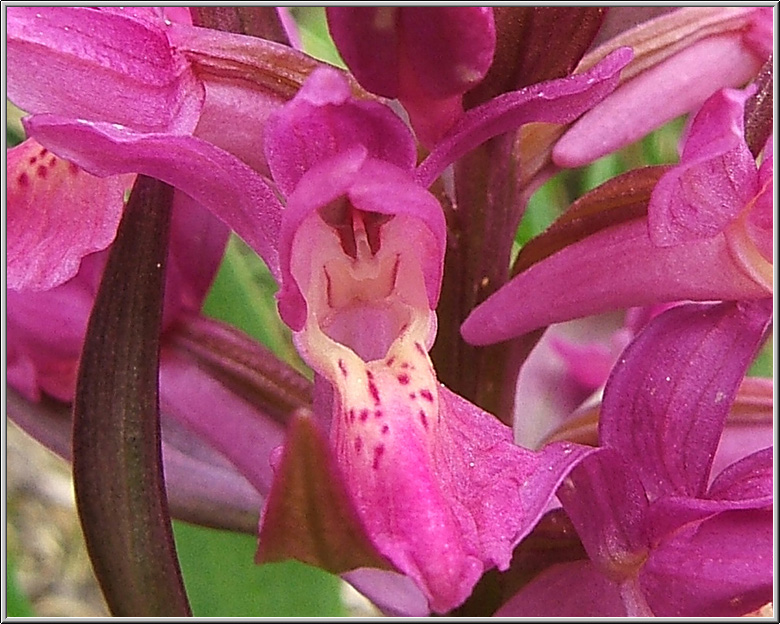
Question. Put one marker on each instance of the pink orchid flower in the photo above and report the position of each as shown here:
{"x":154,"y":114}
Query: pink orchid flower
{"x":707,"y":236}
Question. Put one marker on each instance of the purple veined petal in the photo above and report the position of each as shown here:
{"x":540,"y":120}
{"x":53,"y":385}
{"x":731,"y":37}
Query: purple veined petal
{"x":718,"y":568}
{"x":680,"y":83}
{"x":558,"y":101}
{"x":392,"y":593}
{"x":615,"y":268}
{"x":57,"y":214}
{"x":667,"y":399}
{"x":444,"y":51}
{"x":323,"y":120}
{"x":83,"y":63}
{"x":575,"y":589}
{"x":212,"y":177}
{"x":607,"y":504}
{"x":492,"y":467}
{"x":716,"y":177}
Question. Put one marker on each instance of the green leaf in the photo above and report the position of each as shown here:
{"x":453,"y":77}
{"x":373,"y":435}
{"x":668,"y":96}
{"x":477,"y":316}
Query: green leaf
{"x":763,"y":365}
{"x":16,"y":603}
{"x":223,"y":581}
{"x":315,"y":36}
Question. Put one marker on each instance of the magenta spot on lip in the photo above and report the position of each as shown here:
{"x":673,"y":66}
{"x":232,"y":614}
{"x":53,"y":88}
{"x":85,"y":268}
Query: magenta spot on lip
{"x":391,"y":360}
{"x":385,"y":428}
{"x":412,"y":396}
{"x":358,"y":444}
{"x":406,"y":365}
{"x":23,"y":180}
{"x":378,"y":451}
{"x":372,"y":388}
{"x":74,"y":169}
{"x":41,"y":171}
{"x":378,"y":414}
{"x":426,"y":394}
{"x":33,"y":160}
{"x":351,"y":414}
{"x":423,"y":419}
{"x":52,"y":162}
{"x":403,"y":379}
{"x":342,"y":368}
{"x":43,"y":152}
{"x":363,"y":415}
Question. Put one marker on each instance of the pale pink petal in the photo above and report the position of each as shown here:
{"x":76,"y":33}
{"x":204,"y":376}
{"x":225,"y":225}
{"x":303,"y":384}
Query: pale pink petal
{"x":673,"y":87}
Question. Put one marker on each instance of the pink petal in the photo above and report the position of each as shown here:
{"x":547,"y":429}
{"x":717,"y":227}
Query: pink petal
{"x":558,"y":101}
{"x":673,"y":87}
{"x":669,"y":394}
{"x":82,"y":63}
{"x":212,"y":177}
{"x":45,"y":334}
{"x":203,"y":487}
{"x":748,"y":479}
{"x":195,"y":249}
{"x":323,"y":120}
{"x":392,"y":593}
{"x":448,"y":49}
{"x":749,"y":427}
{"x":575,"y":589}
{"x":355,"y":31}
{"x":57,"y":214}
{"x":548,"y":390}
{"x":443,"y":50}
{"x":574,"y":283}
{"x":719,"y":568}
{"x":715,"y":179}
{"x":231,"y":425}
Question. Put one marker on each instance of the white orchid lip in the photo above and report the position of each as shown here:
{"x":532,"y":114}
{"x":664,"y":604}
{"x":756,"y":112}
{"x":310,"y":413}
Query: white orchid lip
{"x":363,"y":284}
